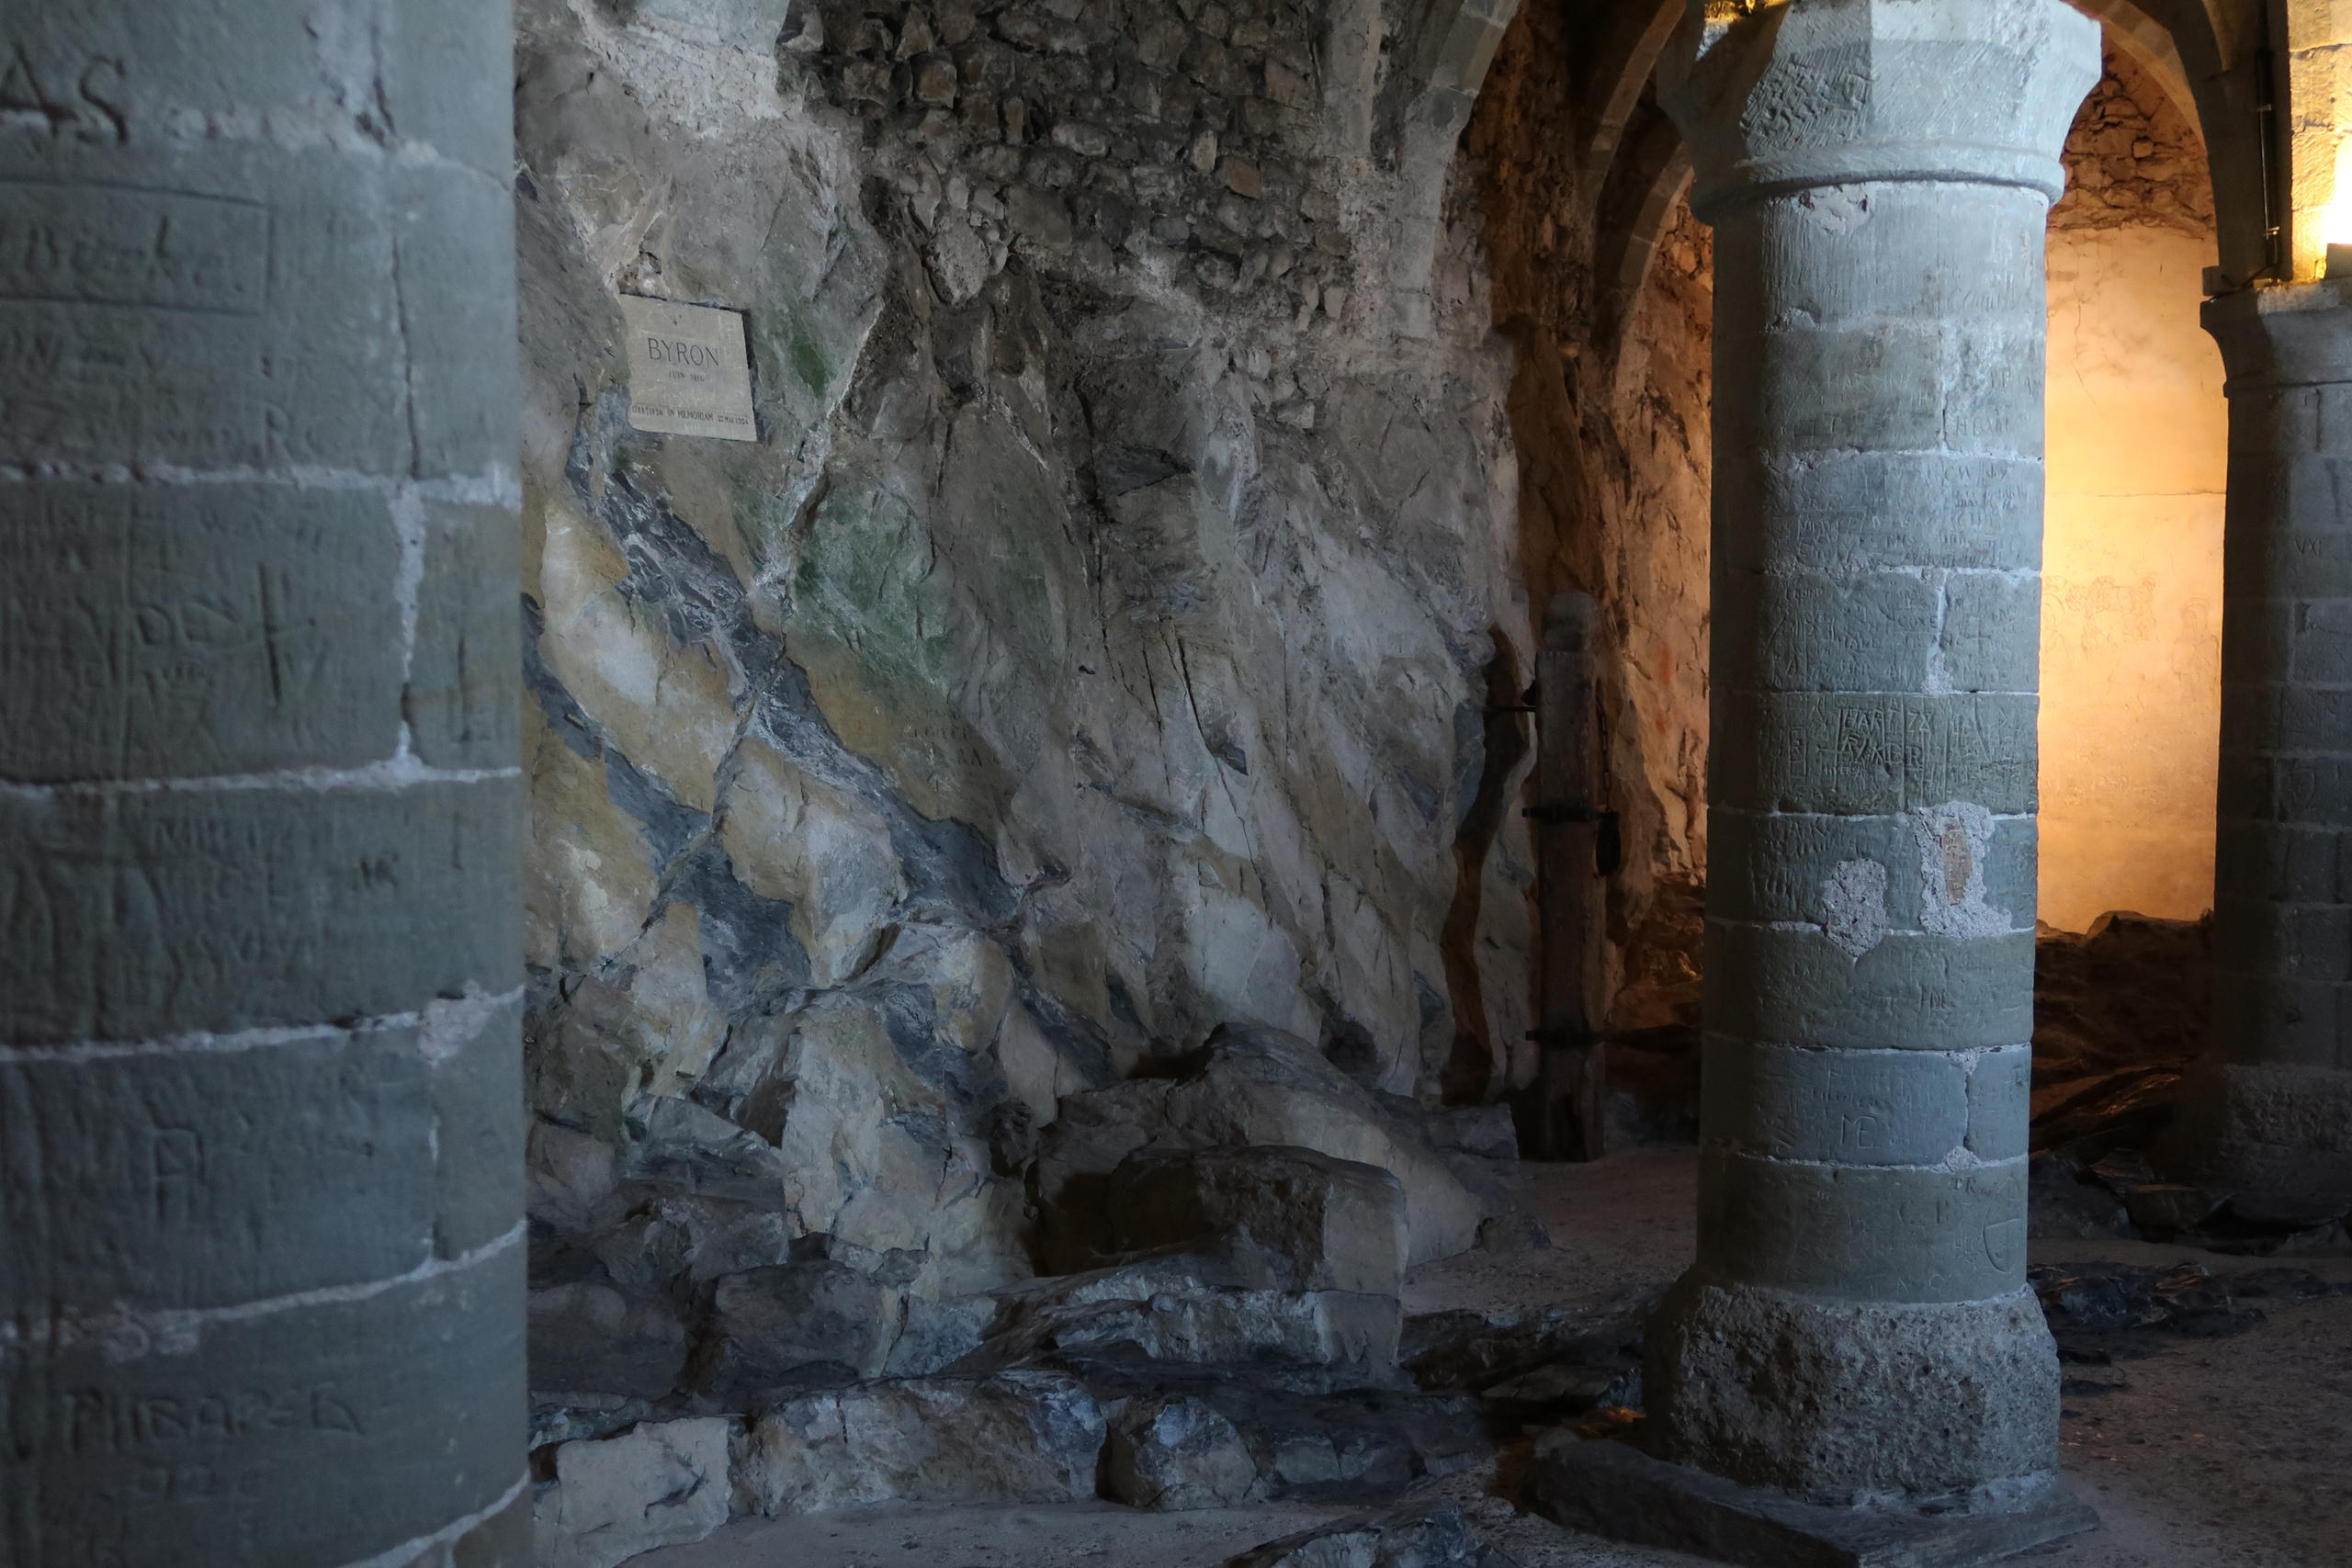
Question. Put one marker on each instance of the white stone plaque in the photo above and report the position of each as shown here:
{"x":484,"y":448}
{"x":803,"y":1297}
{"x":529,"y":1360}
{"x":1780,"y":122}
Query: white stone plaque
{"x":688,"y":372}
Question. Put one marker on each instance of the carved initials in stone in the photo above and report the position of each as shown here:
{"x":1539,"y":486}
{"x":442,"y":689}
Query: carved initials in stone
{"x":92,"y":110}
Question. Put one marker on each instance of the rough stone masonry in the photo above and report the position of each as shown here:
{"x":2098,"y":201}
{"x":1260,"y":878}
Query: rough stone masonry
{"x":1878,"y":174}
{"x":261,"y":1258}
{"x":2268,"y":1121}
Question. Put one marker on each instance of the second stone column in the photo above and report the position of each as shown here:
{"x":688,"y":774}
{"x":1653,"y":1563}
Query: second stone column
{"x":1858,"y":1328}
{"x":2266,"y":1122}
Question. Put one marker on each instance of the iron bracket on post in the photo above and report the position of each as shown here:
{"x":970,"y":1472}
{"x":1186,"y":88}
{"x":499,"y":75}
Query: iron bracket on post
{"x":1609,"y":844}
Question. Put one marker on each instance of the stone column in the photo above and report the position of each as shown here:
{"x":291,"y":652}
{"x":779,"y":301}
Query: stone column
{"x":261,"y":1262}
{"x":1879,"y":174}
{"x":2267,"y":1121}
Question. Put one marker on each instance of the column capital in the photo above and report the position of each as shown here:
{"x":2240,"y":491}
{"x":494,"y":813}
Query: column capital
{"x":1784,"y":95}
{"x":2284,"y":335}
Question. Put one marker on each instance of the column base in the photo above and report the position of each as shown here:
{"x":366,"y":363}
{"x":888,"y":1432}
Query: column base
{"x":1613,"y":1489}
{"x":1840,"y":1400}
{"x":2274,"y":1138}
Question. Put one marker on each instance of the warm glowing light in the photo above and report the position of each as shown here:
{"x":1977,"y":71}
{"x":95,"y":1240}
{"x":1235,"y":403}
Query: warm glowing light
{"x":2334,"y":219}
{"x":2131,"y":593}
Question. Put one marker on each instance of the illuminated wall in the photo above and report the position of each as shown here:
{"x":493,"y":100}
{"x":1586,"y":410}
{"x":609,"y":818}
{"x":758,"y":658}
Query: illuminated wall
{"x":2132,"y":564}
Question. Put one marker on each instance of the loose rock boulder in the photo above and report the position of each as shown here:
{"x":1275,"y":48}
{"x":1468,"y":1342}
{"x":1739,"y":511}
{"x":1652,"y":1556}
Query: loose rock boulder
{"x":1282,"y":1218}
{"x":1189,"y":1311}
{"x":1175,"y":1453}
{"x":1247,"y":1088}
{"x":794,"y":1327}
{"x":1434,"y":1537}
{"x":661,"y":1483}
{"x":1017,"y":1437}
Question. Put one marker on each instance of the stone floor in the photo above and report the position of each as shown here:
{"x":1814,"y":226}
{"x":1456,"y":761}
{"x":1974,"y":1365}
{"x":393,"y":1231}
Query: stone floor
{"x":2213,"y":1453}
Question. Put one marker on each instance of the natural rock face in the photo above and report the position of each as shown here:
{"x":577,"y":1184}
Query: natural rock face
{"x":1089,"y":653}
{"x":794,"y":1327}
{"x":590,"y":1337}
{"x":1012,"y":1438}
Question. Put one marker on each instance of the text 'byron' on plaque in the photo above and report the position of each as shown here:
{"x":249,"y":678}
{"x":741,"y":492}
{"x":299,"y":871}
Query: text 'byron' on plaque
{"x":688,"y":373}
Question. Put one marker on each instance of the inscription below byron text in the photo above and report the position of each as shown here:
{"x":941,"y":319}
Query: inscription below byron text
{"x":688,"y":371}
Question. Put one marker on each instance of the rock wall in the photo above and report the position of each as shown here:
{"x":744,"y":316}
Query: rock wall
{"x":1091,"y":650}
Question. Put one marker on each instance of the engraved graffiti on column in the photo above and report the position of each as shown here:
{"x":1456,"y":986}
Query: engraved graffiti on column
{"x":92,"y":111}
{"x":98,"y":244}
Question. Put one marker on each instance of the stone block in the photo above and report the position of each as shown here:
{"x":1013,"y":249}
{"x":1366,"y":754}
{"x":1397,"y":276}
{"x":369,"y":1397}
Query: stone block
{"x":1925,"y":1399}
{"x":179,"y":631}
{"x":1846,"y":510}
{"x":191,"y":62}
{"x":1251,"y":1086}
{"x":1901,"y":251}
{"x":1862,"y":1234}
{"x":208,"y":1178}
{"x":476,"y":1056}
{"x":463,"y":703}
{"x":1793,"y":631}
{"x":2000,"y":1102}
{"x":1994,"y":370}
{"x":2274,"y":1137}
{"x":2294,"y":942}
{"x":1881,"y":387}
{"x":1017,"y":1437}
{"x":2307,"y":719}
{"x":1992,"y":632}
{"x":1779,"y":867}
{"x":2302,"y":551}
{"x":1282,"y":1219}
{"x":453,"y":240}
{"x":2273,"y":863}
{"x":1614,"y":1490}
{"x":2319,"y":642}
{"x":2313,"y":789}
{"x":1850,"y":1108}
{"x":2270,"y":1016}
{"x":448,"y":81}
{"x":1906,"y":993}
{"x":1874,"y":755}
{"x":226,"y":910}
{"x":136,"y":373}
{"x":659,"y":1484}
{"x":329,"y":1432}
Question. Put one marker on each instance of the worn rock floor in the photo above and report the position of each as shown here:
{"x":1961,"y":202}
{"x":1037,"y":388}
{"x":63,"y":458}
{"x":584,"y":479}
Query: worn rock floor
{"x":2214,"y":1453}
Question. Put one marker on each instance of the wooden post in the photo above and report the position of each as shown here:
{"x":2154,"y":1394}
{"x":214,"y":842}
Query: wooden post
{"x":1559,"y":1115}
